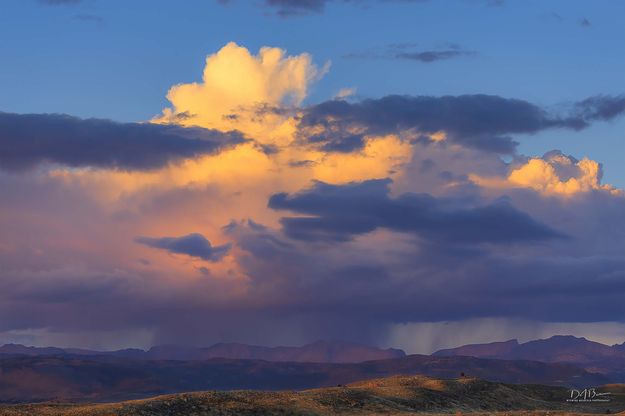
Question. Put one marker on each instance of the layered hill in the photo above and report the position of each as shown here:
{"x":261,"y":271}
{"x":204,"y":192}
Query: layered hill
{"x":395,"y":395}
{"x":318,"y":352}
{"x":105,"y":378}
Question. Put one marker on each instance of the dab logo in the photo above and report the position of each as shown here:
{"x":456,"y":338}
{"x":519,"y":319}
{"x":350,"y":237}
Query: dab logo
{"x":588,"y":395}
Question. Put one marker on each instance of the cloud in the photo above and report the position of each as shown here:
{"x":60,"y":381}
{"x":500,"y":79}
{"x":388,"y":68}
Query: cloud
{"x":345,"y":93}
{"x":455,"y":232}
{"x":560,"y":174}
{"x":380,"y":277}
{"x":338,"y":213}
{"x":481,"y":121}
{"x":289,"y":8}
{"x":553,"y":174}
{"x":194,"y":245}
{"x":28,"y":140}
{"x":59,"y":2}
{"x":433,"y":56}
{"x":409,"y":51}
{"x":89,"y":18}
{"x":346,"y":144}
{"x":236,"y":84}
{"x":600,"y":107}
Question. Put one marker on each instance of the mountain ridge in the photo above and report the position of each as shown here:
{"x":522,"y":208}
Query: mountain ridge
{"x":590,"y":355}
{"x":318,"y":351}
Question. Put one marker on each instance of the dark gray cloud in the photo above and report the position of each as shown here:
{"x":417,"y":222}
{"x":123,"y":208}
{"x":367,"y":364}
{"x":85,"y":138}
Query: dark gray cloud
{"x":433,"y":280}
{"x":27,"y":140}
{"x":600,"y":107}
{"x":346,"y":144}
{"x":194,"y":245}
{"x":479,"y":121}
{"x":340,"y":212}
{"x":434,"y":55}
{"x":409,"y":51}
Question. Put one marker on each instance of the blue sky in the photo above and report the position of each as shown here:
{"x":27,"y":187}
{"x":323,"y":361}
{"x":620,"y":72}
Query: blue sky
{"x":121,"y":66}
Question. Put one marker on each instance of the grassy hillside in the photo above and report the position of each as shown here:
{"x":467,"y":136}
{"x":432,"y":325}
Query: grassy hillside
{"x":396,"y":395}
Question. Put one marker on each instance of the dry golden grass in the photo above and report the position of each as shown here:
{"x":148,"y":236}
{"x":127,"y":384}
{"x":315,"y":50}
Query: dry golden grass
{"x":399,"y":395}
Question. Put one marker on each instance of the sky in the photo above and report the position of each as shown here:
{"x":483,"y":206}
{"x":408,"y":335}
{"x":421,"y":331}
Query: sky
{"x":408,"y":173}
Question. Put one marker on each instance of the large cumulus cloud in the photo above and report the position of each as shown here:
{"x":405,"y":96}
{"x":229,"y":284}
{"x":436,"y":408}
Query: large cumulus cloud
{"x":335,"y":220}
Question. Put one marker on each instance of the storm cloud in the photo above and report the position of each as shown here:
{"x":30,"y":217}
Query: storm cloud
{"x":344,"y":219}
{"x":343,"y":211}
{"x":480,"y":121}
{"x":28,"y":140}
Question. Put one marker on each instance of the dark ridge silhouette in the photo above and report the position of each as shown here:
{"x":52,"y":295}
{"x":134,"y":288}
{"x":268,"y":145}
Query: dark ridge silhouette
{"x":320,"y":351}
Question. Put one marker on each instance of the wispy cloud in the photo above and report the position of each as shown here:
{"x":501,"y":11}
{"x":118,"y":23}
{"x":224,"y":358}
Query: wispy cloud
{"x":411,"y":52}
{"x":59,"y":2}
{"x":94,"y":18}
{"x":290,"y":8}
{"x":434,"y":55}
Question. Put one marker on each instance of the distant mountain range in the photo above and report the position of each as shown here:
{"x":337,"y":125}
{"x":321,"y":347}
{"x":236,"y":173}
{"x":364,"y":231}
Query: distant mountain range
{"x":35,"y":374}
{"x":318,"y":352}
{"x":590,"y":355}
